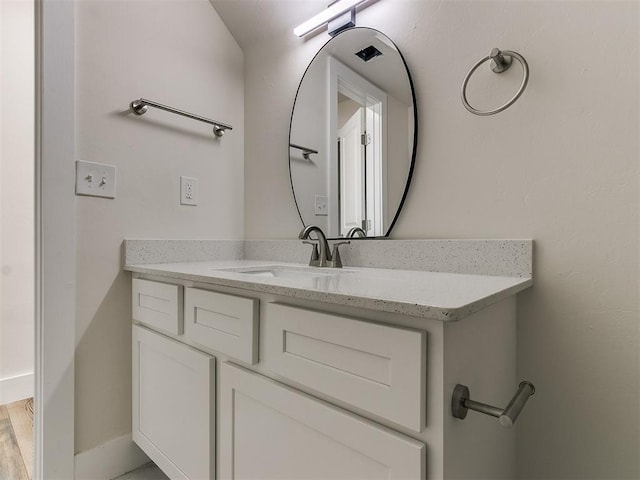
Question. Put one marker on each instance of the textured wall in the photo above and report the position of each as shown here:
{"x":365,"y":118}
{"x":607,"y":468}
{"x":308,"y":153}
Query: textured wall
{"x":560,"y":166}
{"x":310,"y":176}
{"x":175,"y":52}
{"x":16,"y":188}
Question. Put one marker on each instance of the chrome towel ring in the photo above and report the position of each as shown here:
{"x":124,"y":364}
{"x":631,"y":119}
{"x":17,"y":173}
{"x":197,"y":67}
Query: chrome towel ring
{"x":500,"y":62}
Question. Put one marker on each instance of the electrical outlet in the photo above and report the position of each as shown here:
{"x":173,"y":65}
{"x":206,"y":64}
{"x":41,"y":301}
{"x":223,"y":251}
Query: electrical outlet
{"x":188,"y":191}
{"x":321,"y":205}
{"x":95,"y":179}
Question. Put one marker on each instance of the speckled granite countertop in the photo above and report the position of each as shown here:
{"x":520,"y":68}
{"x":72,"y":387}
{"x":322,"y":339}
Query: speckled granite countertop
{"x":435,"y":295}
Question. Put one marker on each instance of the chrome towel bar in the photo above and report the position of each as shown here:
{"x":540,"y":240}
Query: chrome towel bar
{"x":139,"y":107}
{"x":305,"y":151}
{"x":461,"y":404}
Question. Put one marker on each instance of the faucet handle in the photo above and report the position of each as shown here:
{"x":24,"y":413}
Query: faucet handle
{"x":315,"y":256}
{"x":337,"y":244}
{"x":336,"y":261}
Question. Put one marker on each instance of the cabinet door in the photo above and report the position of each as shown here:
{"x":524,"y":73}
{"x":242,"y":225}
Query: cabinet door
{"x":379,"y":368}
{"x":158,"y":305}
{"x":223,"y":322}
{"x":174,"y":405}
{"x":268,"y":430}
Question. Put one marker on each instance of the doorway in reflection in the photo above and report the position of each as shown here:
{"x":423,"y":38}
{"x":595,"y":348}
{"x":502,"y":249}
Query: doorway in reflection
{"x":361,"y":164}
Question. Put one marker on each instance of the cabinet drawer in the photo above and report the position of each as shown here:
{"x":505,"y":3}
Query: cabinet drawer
{"x":174,"y":405}
{"x":226,"y":323}
{"x":271,"y":431}
{"x":158,"y":305}
{"x":378,"y":368}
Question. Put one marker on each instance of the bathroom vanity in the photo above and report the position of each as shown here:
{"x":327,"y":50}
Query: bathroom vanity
{"x":246,"y":368}
{"x":249,"y":364}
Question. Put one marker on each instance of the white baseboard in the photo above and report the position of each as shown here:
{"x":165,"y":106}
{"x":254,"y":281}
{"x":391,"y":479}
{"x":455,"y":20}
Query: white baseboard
{"x":109,"y":460}
{"x":16,"y":388}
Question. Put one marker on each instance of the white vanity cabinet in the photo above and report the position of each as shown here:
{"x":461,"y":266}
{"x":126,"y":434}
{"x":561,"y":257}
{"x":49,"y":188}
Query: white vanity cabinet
{"x":224,"y":323}
{"x":268,"y":430}
{"x":174,"y":405}
{"x":379,"y":368}
{"x":241,"y":384}
{"x":158,"y":305}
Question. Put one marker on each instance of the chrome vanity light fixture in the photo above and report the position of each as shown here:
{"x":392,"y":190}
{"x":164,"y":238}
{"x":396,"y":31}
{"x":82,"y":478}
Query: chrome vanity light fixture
{"x":333,"y":12}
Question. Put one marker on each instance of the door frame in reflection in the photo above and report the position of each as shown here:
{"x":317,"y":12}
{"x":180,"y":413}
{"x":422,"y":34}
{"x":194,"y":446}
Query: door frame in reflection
{"x":352,"y":172}
{"x":343,"y":80}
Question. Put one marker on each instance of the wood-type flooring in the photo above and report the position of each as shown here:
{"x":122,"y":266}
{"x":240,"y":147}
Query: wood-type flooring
{"x":16,"y":440}
{"x":16,"y":446}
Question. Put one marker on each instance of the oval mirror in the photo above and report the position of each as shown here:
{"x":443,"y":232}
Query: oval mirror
{"x":352,"y":138}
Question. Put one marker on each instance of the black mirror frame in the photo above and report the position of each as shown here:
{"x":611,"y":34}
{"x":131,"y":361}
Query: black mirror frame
{"x":415,"y":133}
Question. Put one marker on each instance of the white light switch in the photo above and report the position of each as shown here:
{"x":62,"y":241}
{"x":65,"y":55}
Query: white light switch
{"x":188,"y":191}
{"x":95,"y":179}
{"x":321,"y":205}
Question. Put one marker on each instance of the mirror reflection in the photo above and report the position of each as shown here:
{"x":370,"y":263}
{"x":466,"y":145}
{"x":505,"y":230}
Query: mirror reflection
{"x":352,"y":136}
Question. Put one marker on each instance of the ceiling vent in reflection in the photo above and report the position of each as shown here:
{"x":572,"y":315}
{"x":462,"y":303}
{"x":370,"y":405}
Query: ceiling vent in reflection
{"x":368,"y":53}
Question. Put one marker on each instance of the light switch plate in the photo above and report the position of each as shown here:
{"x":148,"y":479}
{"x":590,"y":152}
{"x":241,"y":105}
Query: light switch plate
{"x":321,"y":205}
{"x":95,"y":179}
{"x":188,"y":191}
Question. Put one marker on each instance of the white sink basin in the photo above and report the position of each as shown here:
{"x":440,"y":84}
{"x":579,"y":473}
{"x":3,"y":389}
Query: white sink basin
{"x":282,"y":271}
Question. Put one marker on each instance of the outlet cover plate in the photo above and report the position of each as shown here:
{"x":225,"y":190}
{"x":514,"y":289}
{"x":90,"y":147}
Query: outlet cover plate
{"x":95,"y":179}
{"x":321,"y":205}
{"x":188,"y":191}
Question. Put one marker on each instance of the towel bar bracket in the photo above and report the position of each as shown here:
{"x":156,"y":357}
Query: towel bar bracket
{"x":138,"y":107}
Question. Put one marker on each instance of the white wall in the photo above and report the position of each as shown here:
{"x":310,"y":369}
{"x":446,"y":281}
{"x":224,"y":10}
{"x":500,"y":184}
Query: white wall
{"x":560,"y":166}
{"x":178,"y":53}
{"x":398,"y":153}
{"x":346,"y":109}
{"x":16,"y":198}
{"x":311,"y":176}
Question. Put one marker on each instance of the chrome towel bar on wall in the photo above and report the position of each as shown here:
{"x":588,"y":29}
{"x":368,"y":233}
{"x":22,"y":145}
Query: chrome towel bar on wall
{"x":461,"y":404}
{"x":305,"y":151}
{"x":139,"y":107}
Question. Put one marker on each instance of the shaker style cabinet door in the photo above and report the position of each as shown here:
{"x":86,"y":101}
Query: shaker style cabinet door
{"x":225,"y":323}
{"x":174,"y":405}
{"x":268,"y":430}
{"x":379,"y":368}
{"x":158,"y":305}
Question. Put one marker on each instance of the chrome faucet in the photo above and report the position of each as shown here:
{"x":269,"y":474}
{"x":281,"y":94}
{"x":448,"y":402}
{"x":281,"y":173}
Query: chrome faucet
{"x":356,"y":231}
{"x":321,"y":258}
{"x":318,"y":259}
